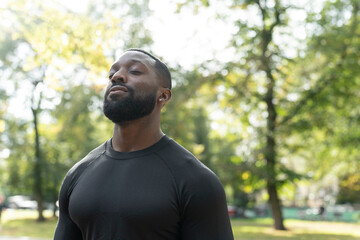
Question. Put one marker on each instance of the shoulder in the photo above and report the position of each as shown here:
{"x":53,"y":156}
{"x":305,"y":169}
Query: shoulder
{"x":88,"y":159}
{"x":190,"y":174}
{"x":180,"y":159}
{"x":202,"y":199}
{"x":75,"y":172}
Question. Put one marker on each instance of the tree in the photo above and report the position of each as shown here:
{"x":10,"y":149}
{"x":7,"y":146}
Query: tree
{"x":44,"y":48}
{"x":349,"y":189}
{"x":52,"y":47}
{"x":334,"y":45}
{"x":275,"y":91}
{"x":261,"y":55}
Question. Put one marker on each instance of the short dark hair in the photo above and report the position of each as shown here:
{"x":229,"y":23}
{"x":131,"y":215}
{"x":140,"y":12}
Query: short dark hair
{"x":160,"y":67}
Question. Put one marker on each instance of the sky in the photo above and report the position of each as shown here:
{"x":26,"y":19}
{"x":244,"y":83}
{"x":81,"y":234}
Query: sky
{"x":189,"y":38}
{"x":185,"y":38}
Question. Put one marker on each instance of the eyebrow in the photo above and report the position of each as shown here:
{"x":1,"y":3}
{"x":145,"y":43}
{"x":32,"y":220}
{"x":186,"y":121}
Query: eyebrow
{"x":131,"y":60}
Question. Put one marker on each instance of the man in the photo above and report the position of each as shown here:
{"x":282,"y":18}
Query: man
{"x":140,"y":184}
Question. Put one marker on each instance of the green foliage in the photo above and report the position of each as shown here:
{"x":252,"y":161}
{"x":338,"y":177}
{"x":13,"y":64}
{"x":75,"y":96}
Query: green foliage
{"x":292,"y":108}
{"x":19,"y":164}
{"x":331,"y":107}
{"x":349,"y":189}
{"x":283,"y":108}
{"x":60,"y":55}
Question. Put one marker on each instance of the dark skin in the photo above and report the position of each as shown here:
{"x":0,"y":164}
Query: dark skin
{"x":136,"y":70}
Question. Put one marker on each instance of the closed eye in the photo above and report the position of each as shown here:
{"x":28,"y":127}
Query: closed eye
{"x":135,"y":72}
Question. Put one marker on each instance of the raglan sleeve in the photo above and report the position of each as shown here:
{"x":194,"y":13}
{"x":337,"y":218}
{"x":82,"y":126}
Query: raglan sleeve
{"x":204,"y":214}
{"x":66,"y":229}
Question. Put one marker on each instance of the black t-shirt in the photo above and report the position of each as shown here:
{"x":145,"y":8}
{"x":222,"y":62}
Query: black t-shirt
{"x":161,"y":192}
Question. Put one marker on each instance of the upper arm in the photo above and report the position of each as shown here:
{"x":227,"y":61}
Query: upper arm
{"x":205,"y":213}
{"x":66,"y":228}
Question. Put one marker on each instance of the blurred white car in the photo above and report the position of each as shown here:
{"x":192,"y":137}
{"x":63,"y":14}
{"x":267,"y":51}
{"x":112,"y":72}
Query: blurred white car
{"x":21,"y":202}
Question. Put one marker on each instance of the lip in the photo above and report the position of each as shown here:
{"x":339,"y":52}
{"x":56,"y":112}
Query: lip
{"x":118,"y":88}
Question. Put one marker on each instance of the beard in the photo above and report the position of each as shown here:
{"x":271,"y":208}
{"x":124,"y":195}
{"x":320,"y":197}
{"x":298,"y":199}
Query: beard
{"x":122,"y":109}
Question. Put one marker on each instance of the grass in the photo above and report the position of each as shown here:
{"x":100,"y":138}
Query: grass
{"x":261,"y":229}
{"x":23,"y":223}
{"x":18,"y":223}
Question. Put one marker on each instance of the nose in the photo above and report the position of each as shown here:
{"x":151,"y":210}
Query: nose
{"x":119,"y":76}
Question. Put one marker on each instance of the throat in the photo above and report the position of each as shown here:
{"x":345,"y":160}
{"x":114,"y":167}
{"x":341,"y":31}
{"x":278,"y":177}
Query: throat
{"x":130,"y":138}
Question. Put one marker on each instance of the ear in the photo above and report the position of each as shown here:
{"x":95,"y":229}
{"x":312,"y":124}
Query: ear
{"x":164,"y":96}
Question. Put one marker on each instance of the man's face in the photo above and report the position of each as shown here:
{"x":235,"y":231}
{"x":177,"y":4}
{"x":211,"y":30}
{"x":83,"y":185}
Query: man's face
{"x":132,"y":88}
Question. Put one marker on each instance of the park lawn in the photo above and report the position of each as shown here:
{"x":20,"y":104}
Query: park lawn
{"x":18,"y":223}
{"x":261,"y":229}
{"x":23,"y":223}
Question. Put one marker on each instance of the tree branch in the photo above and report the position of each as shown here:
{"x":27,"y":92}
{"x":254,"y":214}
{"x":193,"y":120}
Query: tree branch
{"x":325,"y":80}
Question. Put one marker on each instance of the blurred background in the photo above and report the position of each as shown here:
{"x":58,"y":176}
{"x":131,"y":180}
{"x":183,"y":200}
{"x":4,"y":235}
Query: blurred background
{"x":266,"y":94}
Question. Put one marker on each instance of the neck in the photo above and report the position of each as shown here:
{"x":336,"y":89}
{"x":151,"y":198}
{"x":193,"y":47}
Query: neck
{"x":136,"y":135}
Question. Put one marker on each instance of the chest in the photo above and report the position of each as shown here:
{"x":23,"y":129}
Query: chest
{"x":125,"y":195}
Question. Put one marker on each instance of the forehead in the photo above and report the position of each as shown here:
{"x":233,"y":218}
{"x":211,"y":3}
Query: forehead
{"x":135,"y":57}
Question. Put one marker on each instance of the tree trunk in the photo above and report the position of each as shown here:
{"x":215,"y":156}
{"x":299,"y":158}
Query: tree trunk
{"x":270,"y":146}
{"x":37,"y":171}
{"x":270,"y":155}
{"x":275,"y":206}
{"x":55,"y":198}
